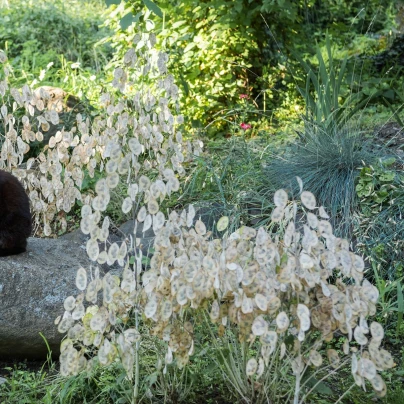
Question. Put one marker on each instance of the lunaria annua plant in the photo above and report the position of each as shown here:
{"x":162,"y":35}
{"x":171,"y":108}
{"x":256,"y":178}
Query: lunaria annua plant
{"x":134,"y":134}
{"x":137,"y":143}
{"x":24,"y":119}
{"x":305,"y":287}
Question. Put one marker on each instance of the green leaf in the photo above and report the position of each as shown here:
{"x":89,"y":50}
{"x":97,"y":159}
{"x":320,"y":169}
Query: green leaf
{"x":110,"y":2}
{"x":152,"y":378}
{"x":153,"y":7}
{"x":389,"y":94}
{"x":178,"y":24}
{"x":387,"y":176}
{"x":189,"y":47}
{"x":184,"y":84}
{"x":127,"y":21}
{"x":389,"y":161}
{"x":321,"y":387}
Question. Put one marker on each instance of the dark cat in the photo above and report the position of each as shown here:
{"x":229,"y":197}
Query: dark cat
{"x":15,"y":216}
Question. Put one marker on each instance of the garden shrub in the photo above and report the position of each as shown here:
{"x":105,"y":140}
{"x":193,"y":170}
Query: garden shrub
{"x":251,"y":51}
{"x":36,"y":33}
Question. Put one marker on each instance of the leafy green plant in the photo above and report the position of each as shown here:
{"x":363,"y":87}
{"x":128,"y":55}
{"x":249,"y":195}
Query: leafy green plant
{"x":377,"y":186}
{"x":390,"y":298}
{"x":329,"y":102}
{"x":380,"y":231}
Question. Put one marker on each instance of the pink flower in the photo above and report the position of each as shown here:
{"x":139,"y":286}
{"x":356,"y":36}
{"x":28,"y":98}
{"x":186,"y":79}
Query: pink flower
{"x":244,"y":96}
{"x":245,"y":126}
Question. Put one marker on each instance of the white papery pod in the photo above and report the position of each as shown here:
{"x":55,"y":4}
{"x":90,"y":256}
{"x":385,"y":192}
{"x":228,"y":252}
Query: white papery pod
{"x":277,"y":214}
{"x":282,"y":351}
{"x":366,"y":368}
{"x":150,"y":308}
{"x":81,"y":279}
{"x":359,"y":336}
{"x":354,"y":363}
{"x":200,"y":227}
{"x":190,"y":215}
{"x":251,"y":367}
{"x":247,"y":305}
{"x":127,"y":205}
{"x":323,"y":214}
{"x":315,"y":358}
{"x":345,"y":346}
{"x":141,"y":216}
{"x":308,"y":200}
{"x":290,"y":231}
{"x":92,"y":249}
{"x":312,"y":220}
{"x":378,"y":383}
{"x":363,"y":324}
{"x":147,"y":223}
{"x":261,"y":302}
{"x":324,"y":288}
{"x":261,"y":367}
{"x":215,"y":310}
{"x":259,"y":326}
{"x":333,"y":358}
{"x":305,"y":261}
{"x":282,"y":321}
{"x":69,"y":303}
{"x":377,"y":331}
{"x":169,"y":356}
{"x":166,"y":309}
{"x":358,"y":380}
{"x":281,"y":198}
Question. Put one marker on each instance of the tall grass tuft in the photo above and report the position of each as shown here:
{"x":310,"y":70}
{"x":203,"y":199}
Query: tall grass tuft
{"x":328,"y":161}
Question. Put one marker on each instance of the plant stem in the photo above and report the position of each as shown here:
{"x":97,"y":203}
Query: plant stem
{"x":297,"y":389}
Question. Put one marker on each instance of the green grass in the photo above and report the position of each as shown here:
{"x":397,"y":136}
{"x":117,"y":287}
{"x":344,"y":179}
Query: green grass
{"x":226,"y":180}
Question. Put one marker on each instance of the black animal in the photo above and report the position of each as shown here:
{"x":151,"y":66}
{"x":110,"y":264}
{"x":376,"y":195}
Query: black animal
{"x":15,"y":216}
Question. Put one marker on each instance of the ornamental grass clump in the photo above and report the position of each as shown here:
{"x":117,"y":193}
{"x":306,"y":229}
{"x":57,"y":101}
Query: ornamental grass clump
{"x":328,"y":161}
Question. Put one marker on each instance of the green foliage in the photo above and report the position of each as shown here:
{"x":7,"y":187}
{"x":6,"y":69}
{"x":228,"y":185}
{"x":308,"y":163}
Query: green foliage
{"x":380,"y":229}
{"x":248,"y":52}
{"x":212,"y":73}
{"x":332,"y":103}
{"x":37,"y":33}
{"x":378,"y":186}
{"x":54,"y":43}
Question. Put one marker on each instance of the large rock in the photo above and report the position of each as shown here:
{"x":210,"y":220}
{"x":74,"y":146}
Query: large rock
{"x":33,"y":286}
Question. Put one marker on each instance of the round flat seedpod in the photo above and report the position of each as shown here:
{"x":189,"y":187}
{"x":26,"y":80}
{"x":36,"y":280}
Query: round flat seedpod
{"x":127,"y":205}
{"x":222,"y":223}
{"x":251,"y":367}
{"x":81,"y":279}
{"x":281,"y":198}
{"x":308,"y":200}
